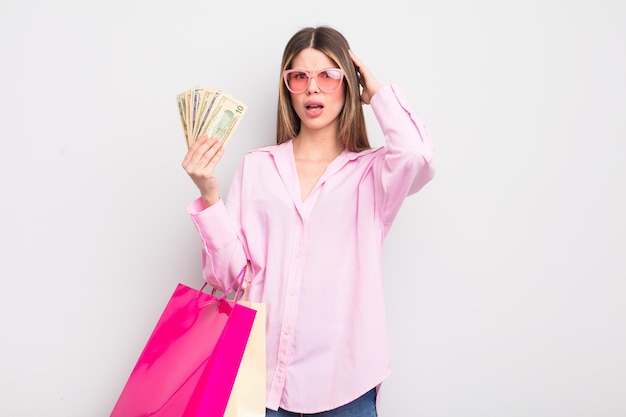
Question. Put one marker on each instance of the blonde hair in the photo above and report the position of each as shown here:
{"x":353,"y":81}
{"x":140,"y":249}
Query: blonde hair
{"x":352,"y":131}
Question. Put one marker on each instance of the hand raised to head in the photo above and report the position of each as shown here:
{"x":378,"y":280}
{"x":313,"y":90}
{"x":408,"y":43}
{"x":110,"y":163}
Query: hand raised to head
{"x":367,"y":80}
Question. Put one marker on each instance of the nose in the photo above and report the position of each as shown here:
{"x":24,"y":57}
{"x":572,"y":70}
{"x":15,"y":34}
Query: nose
{"x":311,"y":89}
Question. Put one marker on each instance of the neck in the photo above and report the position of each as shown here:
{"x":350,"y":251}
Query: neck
{"x":317,"y":145}
{"x":316,"y":148}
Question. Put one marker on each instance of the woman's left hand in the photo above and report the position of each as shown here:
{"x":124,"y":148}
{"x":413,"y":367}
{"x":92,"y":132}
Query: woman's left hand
{"x":370,"y":84}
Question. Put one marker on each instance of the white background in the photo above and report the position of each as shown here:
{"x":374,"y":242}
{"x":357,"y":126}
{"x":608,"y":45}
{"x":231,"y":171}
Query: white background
{"x":505,"y":276}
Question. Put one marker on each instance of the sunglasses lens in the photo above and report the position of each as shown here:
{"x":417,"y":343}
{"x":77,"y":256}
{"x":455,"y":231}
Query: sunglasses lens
{"x":329,"y":80}
{"x":297,"y":81}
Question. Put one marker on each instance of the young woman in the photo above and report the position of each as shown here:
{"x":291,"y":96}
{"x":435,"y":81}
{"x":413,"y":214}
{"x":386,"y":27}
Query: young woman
{"x":310,"y":215}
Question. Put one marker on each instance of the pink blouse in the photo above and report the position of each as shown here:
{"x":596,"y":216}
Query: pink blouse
{"x":317,"y":263}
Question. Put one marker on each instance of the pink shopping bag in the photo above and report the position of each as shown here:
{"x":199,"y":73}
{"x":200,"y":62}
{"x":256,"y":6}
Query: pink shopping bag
{"x":189,"y":364}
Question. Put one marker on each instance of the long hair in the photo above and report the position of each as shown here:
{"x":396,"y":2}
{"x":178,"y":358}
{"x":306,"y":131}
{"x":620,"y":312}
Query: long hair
{"x":352,"y":131}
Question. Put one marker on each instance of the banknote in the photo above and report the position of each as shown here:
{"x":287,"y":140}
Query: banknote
{"x":225,"y":117}
{"x":209,"y":111}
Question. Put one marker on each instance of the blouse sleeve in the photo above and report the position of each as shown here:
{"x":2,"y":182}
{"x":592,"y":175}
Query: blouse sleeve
{"x":407,"y":161}
{"x":223,"y":255}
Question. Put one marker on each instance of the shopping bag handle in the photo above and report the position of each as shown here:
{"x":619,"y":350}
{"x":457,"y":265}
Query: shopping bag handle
{"x":240,"y":279}
{"x":247,"y":281}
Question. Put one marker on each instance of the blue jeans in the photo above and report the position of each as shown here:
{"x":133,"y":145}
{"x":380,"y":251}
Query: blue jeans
{"x":364,"y":406}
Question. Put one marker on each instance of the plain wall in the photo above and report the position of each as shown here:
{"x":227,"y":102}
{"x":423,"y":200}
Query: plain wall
{"x":505,"y":276}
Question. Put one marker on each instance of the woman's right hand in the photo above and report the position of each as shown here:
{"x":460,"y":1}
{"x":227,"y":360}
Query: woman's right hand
{"x":200,"y":162}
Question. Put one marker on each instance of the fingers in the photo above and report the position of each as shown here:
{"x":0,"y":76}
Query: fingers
{"x":357,"y":65}
{"x":203,"y":154}
{"x":361,"y":69}
{"x":361,"y":76}
{"x":369,"y":83}
{"x":357,"y":61}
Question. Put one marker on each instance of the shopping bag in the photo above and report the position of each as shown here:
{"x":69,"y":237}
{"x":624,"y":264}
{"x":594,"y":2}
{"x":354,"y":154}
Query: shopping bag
{"x":247,"y":398}
{"x":189,"y":364}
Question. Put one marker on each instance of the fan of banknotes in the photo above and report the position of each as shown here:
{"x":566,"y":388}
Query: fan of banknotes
{"x":209,"y":111}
